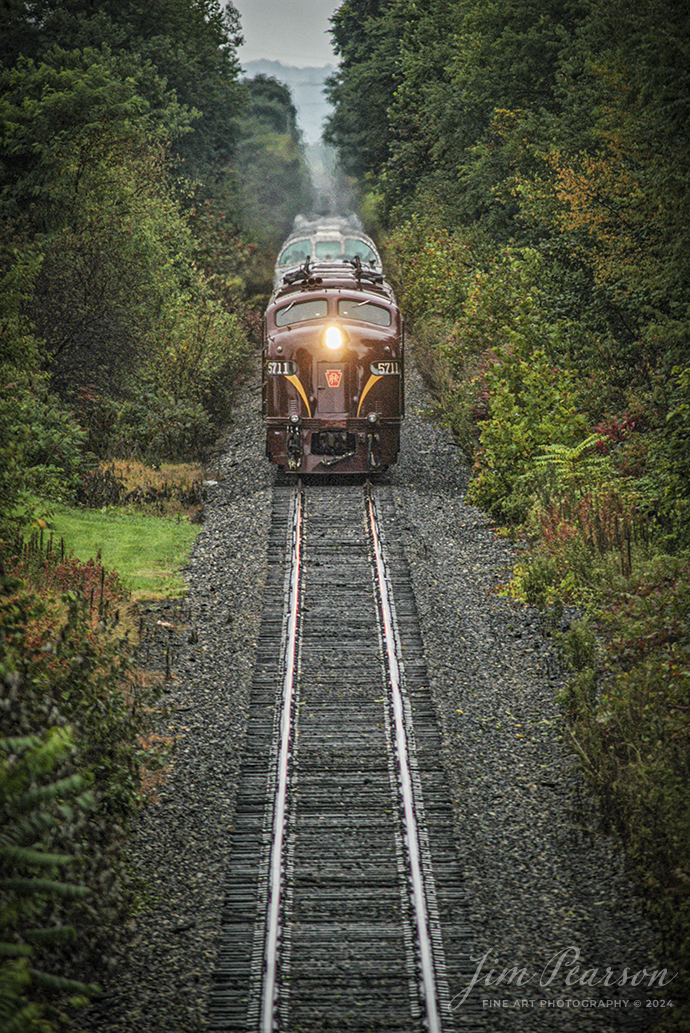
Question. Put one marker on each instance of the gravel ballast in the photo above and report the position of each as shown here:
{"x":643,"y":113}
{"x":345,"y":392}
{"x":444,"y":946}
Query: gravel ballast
{"x":540,"y":879}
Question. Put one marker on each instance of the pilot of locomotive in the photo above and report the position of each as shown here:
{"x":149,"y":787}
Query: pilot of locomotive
{"x":333,"y":371}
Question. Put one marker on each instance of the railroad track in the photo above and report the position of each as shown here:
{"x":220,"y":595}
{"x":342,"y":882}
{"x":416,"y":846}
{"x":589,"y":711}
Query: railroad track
{"x":345,"y":907}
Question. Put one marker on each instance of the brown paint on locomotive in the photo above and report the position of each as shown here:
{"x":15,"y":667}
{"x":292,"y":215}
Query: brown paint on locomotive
{"x":333,"y":365}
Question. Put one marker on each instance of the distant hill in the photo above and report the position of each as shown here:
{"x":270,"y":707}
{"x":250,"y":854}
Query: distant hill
{"x":305,"y":85}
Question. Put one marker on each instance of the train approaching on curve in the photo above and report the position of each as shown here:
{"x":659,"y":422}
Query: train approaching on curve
{"x":333,"y":355}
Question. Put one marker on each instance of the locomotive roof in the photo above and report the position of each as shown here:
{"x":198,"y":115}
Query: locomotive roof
{"x":334,"y":276}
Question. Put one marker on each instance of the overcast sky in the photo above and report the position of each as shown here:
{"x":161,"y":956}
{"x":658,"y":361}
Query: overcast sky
{"x":292,"y":31}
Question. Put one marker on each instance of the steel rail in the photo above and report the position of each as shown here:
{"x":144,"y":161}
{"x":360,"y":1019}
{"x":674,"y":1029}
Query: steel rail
{"x":419,"y":895}
{"x":280,"y":806}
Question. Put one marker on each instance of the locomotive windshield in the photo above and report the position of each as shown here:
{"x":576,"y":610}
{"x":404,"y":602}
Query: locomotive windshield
{"x":366,"y":311}
{"x":358,"y":249}
{"x":327,"y":250}
{"x":299,"y":311}
{"x":295,"y":253}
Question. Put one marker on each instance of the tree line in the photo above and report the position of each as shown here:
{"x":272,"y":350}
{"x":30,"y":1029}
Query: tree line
{"x":131,"y":155}
{"x":527,"y":167}
{"x":144,"y":188}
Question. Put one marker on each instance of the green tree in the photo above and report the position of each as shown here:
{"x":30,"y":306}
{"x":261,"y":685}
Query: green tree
{"x":436,"y":102}
{"x":274,"y":179}
{"x":191,"y":44}
{"x":361,"y":91}
{"x":84,"y":177}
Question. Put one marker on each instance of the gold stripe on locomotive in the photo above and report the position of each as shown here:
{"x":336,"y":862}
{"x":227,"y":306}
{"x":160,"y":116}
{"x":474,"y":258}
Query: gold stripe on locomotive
{"x":296,"y":382}
{"x":369,"y":384}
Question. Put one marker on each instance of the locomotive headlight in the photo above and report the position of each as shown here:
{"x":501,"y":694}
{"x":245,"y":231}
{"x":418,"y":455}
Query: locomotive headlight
{"x":333,"y":338}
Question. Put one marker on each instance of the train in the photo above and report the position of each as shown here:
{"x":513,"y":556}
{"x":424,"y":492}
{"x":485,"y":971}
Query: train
{"x":333,"y":386}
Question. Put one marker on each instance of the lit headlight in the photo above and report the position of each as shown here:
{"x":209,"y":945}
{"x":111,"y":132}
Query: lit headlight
{"x":333,"y":338}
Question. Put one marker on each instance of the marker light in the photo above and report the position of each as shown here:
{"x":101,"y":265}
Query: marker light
{"x":333,"y":338}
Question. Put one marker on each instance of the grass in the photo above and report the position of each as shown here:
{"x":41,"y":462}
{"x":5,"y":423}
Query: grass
{"x":147,"y":551}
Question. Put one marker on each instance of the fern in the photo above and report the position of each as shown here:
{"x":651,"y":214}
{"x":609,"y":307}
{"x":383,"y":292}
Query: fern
{"x":31,"y":874}
{"x":16,"y":1016}
{"x":565,"y":458}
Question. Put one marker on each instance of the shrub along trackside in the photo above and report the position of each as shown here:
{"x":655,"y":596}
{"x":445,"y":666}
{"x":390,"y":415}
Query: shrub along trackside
{"x":76,"y":742}
{"x":73,"y":718}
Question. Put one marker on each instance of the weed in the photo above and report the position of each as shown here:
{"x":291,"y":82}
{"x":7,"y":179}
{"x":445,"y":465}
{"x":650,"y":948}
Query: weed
{"x":170,"y":489}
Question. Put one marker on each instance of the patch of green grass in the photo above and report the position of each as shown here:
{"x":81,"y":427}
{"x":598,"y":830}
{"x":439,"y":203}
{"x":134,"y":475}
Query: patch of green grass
{"x":147,"y":551}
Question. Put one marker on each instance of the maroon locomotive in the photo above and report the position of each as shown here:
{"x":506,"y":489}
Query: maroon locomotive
{"x":333,"y":362}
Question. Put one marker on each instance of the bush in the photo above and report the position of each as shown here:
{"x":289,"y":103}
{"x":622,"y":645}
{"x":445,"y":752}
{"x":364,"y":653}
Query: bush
{"x":158,"y":427}
{"x":674,"y":456}
{"x":633,"y":735}
{"x":49,"y":440}
{"x":71,"y":758}
{"x":530,"y":404}
{"x":41,"y":444}
{"x":431,"y":269}
{"x":42,"y":450}
{"x":173,"y":407}
{"x":432,"y":337}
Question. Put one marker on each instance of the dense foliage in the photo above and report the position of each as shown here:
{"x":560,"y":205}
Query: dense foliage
{"x":529,"y":167}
